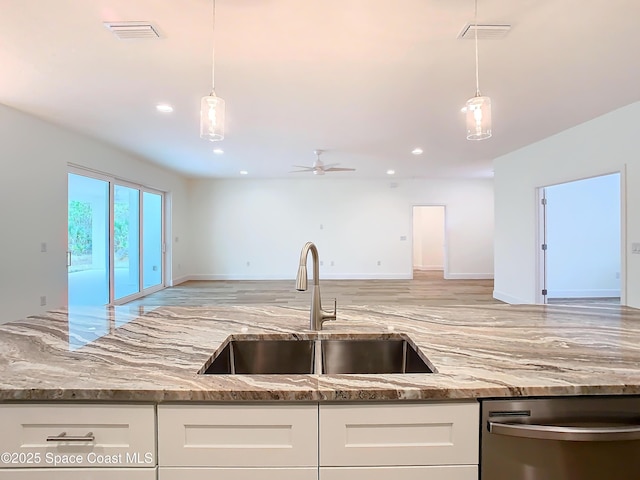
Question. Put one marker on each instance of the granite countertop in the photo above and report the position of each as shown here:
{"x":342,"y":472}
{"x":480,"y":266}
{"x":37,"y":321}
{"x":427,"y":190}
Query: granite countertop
{"x":153,"y":355}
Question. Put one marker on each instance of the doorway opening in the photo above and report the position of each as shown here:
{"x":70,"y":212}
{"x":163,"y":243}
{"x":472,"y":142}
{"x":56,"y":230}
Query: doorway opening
{"x":429,"y":242}
{"x":580,"y":242}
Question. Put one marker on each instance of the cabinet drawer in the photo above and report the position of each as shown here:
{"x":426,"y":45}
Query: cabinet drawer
{"x":238,"y":435}
{"x":117,"y":435}
{"x":453,"y":472}
{"x":393,"y":434}
{"x":79,"y":474}
{"x":194,"y":473}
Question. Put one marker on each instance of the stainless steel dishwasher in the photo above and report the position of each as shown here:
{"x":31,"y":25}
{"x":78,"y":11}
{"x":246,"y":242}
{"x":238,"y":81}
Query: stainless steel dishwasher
{"x":560,"y":438}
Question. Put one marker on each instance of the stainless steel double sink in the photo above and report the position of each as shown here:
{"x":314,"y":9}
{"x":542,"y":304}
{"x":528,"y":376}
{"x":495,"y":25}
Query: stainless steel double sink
{"x":327,"y":354}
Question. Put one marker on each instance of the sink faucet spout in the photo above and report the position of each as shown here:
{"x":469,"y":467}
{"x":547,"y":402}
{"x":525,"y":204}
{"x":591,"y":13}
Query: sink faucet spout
{"x":318,"y":315}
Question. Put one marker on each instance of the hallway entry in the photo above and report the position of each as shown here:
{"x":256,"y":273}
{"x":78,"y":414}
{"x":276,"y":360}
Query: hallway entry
{"x":429,"y":242}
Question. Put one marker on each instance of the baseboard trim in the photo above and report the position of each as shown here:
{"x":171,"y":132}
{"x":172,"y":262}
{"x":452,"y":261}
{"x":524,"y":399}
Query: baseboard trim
{"x":224,"y":276}
{"x":429,"y":268}
{"x":503,"y":297}
{"x":179,"y":280}
{"x":369,"y":276}
{"x":468,"y":276}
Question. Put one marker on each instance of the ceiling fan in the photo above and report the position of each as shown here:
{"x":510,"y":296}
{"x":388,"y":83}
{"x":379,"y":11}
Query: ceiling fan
{"x":320,"y":168}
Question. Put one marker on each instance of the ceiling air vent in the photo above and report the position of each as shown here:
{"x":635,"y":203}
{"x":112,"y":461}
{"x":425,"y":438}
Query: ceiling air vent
{"x":132,"y":30}
{"x":486,"y":31}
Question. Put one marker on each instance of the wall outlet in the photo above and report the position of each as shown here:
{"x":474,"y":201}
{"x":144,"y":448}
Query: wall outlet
{"x":321,"y":263}
{"x":248,"y":263}
{"x":635,"y":248}
{"x":43,"y":247}
{"x":617,"y":275}
{"x":403,"y":238}
{"x":379,"y":263}
{"x":43,"y":300}
{"x":332,"y":263}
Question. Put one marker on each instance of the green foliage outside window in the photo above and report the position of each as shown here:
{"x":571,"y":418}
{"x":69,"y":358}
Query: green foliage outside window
{"x":80,"y":229}
{"x":121,"y":230}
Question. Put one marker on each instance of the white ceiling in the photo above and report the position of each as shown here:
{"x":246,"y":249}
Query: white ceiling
{"x":365,"y":80}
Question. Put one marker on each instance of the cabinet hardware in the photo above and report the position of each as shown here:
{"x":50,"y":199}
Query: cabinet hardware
{"x":63,"y":437}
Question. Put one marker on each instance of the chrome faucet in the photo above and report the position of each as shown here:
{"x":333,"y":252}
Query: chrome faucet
{"x":318,"y":316}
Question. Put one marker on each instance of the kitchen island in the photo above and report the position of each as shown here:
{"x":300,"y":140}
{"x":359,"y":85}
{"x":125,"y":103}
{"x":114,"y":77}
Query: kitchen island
{"x":112,"y":392}
{"x":487,"y":351}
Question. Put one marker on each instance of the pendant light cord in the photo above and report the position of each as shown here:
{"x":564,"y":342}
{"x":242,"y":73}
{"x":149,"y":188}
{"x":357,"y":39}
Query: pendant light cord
{"x":213,"y":49}
{"x":475,"y":31}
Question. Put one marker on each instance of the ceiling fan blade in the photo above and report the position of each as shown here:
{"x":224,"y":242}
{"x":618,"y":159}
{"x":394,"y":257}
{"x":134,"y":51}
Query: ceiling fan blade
{"x":304,"y":169}
{"x":339,"y":169}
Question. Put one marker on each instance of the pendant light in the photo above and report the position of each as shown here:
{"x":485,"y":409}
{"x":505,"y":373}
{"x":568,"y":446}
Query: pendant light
{"x":478,"y":108}
{"x":212,"y":106}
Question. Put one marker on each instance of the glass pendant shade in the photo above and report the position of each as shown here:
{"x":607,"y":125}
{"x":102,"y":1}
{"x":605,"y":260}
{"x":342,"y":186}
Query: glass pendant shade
{"x":212,"y":118}
{"x":478,"y":111}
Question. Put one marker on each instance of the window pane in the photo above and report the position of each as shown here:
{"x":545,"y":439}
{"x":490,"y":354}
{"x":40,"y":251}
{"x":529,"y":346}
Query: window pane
{"x":88,"y":241}
{"x":126,"y":241}
{"x":152,"y":239}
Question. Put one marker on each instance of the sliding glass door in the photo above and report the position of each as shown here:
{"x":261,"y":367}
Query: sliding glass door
{"x":88,"y":241}
{"x":126,"y":241}
{"x":116,"y":240}
{"x":152,"y":240}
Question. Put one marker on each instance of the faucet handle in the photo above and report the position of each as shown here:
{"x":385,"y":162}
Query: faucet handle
{"x":333,"y":315}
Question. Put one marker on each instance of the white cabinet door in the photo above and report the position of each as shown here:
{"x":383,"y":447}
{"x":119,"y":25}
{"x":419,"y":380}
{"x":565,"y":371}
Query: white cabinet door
{"x":393,"y":434}
{"x":79,"y":474}
{"x":77,"y":435}
{"x":236,"y":435}
{"x":194,"y":473}
{"x":453,"y":472}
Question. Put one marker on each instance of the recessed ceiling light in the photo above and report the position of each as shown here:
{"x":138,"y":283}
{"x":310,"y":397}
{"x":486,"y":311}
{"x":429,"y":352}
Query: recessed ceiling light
{"x":164,"y":108}
{"x":417,"y":151}
{"x":218,"y":151}
{"x":244,"y":172}
{"x":391,"y":172}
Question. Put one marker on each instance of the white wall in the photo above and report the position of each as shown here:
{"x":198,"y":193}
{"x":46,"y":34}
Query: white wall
{"x":252,"y":229}
{"x":607,"y":144}
{"x":428,"y":238}
{"x":583,"y":237}
{"x":33,"y":206}
{"x":220,"y":225}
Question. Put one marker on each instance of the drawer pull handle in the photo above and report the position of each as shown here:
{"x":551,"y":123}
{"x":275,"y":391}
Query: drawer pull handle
{"x":63,"y":437}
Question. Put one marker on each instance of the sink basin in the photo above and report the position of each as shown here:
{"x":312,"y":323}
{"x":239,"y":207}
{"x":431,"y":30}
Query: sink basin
{"x":371,"y":356}
{"x":260,"y":356}
{"x":321,"y":353}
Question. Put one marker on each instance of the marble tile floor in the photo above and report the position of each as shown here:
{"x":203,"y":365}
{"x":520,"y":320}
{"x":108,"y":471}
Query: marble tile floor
{"x":426,"y":288}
